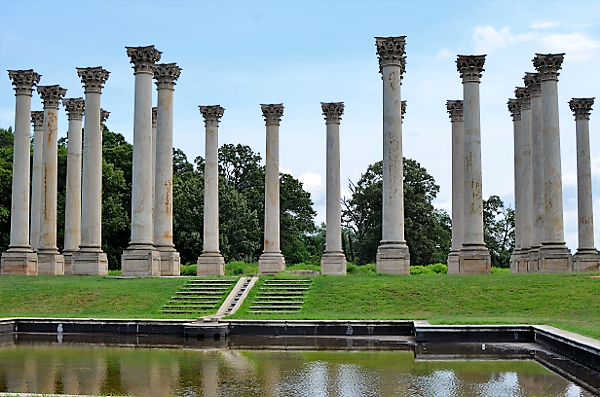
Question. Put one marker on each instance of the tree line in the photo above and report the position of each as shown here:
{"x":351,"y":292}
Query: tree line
{"x":241,"y":204}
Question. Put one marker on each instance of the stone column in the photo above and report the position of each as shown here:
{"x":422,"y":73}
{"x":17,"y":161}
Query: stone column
{"x":154,"y":124}
{"x":474,"y":255}
{"x":165,"y":75}
{"x":140,"y":258}
{"x":455,"y":109}
{"x":527,"y":176}
{"x":532,"y":82}
{"x":75,"y":108}
{"x":37,"y":118}
{"x":90,"y":259}
{"x":20,"y":259}
{"x":554,"y":254}
{"x":392,"y":255}
{"x":211,"y":263}
{"x":586,"y":259}
{"x":333,"y":260}
{"x":271,"y":261}
{"x":50,"y":261}
{"x":515,"y":111}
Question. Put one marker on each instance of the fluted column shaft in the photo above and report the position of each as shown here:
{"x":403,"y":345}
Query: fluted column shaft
{"x":455,"y":110}
{"x":37,"y":119}
{"x":527,"y":177}
{"x":154,"y":127}
{"x":537,"y":159}
{"x":73,"y":197}
{"x":515,"y":110}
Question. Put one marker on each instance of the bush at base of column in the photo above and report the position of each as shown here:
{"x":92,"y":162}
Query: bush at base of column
{"x":143,"y":262}
{"x":88,"y":264}
{"x":393,"y":259}
{"x":210,"y":265}
{"x":23,"y":263}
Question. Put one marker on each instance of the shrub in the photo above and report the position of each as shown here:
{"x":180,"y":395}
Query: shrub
{"x":239,"y":268}
{"x":188,"y":270}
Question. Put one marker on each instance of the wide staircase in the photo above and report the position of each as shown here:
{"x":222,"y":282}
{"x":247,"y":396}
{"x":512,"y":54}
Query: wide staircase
{"x":280,"y":296}
{"x":199,"y":296}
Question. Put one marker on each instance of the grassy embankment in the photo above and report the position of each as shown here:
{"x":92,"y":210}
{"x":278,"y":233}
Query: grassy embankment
{"x":567,"y":301}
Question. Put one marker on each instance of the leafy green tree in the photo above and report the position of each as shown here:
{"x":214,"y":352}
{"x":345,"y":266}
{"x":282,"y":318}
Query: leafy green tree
{"x":6,"y":155}
{"x":499,"y":230}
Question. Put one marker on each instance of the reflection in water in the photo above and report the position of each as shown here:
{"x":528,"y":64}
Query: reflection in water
{"x":96,"y":369}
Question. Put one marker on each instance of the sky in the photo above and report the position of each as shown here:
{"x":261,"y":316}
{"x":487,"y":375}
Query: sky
{"x":239,"y":54}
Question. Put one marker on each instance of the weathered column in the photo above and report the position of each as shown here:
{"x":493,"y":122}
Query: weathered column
{"x":211,"y":263}
{"x":515,"y":111}
{"x":392,"y":255}
{"x":37,"y":118}
{"x":140,"y":258}
{"x":586,"y":259}
{"x":165,"y":75}
{"x":474,"y":255}
{"x":455,"y":109}
{"x":154,"y":124}
{"x":50,"y":261}
{"x":333,"y":260}
{"x":90,"y":259}
{"x":20,"y":259}
{"x":75,"y":108}
{"x":271,"y":261}
{"x":532,"y":82}
{"x":554,"y":254}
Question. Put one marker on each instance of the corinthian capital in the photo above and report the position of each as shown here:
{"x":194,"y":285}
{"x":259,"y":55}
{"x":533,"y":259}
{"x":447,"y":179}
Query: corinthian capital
{"x":103,"y":116}
{"x":332,"y":111}
{"x":514,"y":109}
{"x":212,"y":114}
{"x":37,"y":118}
{"x":470,"y":67}
{"x":533,"y":83}
{"x":455,"y":110}
{"x":581,"y":107}
{"x":391,"y":52}
{"x":24,"y":80}
{"x":402,"y":108}
{"x":51,"y":95}
{"x":272,"y":113}
{"x":154,"y":117}
{"x":166,"y":74}
{"x":93,"y":79}
{"x":143,"y":58}
{"x":74,"y":107}
{"x":548,"y":65}
{"x":523,"y":97}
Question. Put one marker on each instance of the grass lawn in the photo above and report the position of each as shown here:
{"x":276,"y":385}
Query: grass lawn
{"x":567,"y":301}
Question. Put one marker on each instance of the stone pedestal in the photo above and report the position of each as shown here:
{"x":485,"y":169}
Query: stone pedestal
{"x":474,"y":255}
{"x":554,"y":254}
{"x":392,"y":254}
{"x":211,"y":263}
{"x":455,"y":110}
{"x":272,"y":261}
{"x":19,"y":256}
{"x":140,"y":258}
{"x":37,"y":118}
{"x":333,"y":260}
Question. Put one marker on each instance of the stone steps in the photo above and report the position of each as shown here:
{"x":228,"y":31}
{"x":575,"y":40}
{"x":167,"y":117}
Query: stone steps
{"x":198,"y":297}
{"x":280,"y":296}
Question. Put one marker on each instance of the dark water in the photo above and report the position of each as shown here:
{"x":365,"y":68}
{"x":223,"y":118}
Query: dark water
{"x":100,"y":369}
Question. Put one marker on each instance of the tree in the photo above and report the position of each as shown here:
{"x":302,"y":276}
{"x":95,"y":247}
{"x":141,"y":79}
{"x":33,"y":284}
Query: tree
{"x":6,"y":155}
{"x":498,"y":230}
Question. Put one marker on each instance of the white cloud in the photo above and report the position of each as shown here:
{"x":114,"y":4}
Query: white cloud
{"x":487,"y":39}
{"x":577,"y":46}
{"x":285,"y":171}
{"x":310,"y":180}
{"x":545,"y":25}
{"x":444,"y":53}
{"x":569,"y":179}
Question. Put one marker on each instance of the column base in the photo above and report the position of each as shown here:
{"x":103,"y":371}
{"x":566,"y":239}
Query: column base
{"x":333,"y":263}
{"x":170,"y":264}
{"x":68,"y":258}
{"x":393,"y":258}
{"x":453,"y":258}
{"x":50,"y":263}
{"x":586,"y":260}
{"x":19,"y":262}
{"x":210,"y":264}
{"x":140,"y":262}
{"x":555,"y":257}
{"x":534,"y":259}
{"x":271,"y":263}
{"x":522,"y":260}
{"x":515,"y":258}
{"x":475,"y":259}
{"x":89,"y":263}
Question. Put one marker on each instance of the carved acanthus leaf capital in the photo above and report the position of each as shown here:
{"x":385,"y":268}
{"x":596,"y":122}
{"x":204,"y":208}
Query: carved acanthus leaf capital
{"x":24,"y":80}
{"x":455,"y":110}
{"x":166,"y":74}
{"x":391,"y":52}
{"x":212,"y":114}
{"x":103,"y":116}
{"x":143,"y":58}
{"x":51,"y":95}
{"x":154,"y":117}
{"x":470,"y":67}
{"x":548,"y":65}
{"x":272,"y":113}
{"x":533,"y":83}
{"x":402,"y":108}
{"x":514,"y":108}
{"x":75,"y":107}
{"x":37,"y":118}
{"x":332,"y":111}
{"x":93,"y":79}
{"x":581,"y":107}
{"x":523,"y":97}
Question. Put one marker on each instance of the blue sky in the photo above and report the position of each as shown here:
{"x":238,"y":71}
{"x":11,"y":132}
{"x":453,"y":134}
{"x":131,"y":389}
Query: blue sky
{"x":240,"y":54}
